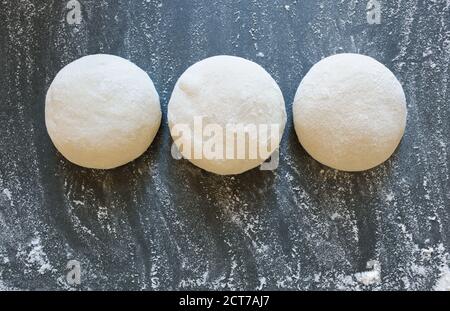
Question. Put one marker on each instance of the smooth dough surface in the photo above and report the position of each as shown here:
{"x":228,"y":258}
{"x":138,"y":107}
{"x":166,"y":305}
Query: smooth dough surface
{"x":102,"y":111}
{"x":226,"y":90}
{"x":350,"y":112}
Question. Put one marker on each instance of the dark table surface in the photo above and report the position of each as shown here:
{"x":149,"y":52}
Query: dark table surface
{"x":159,"y":223}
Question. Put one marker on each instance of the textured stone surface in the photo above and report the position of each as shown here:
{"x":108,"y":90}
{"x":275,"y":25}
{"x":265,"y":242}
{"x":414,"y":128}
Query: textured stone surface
{"x":164,"y":224}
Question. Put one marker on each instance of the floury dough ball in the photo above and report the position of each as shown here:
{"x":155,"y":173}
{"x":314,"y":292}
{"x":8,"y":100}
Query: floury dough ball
{"x":350,"y":112}
{"x":226,"y":92}
{"x":102,"y":111}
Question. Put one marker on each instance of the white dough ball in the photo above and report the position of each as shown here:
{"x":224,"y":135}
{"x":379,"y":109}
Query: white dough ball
{"x":227,"y":90}
{"x":102,"y":111}
{"x":350,"y":112}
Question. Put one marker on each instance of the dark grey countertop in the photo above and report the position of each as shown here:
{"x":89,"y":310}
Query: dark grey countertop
{"x":159,"y":223}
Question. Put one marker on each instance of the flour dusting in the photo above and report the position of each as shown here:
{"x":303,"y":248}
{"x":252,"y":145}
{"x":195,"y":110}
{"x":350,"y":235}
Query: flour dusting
{"x":443,"y":283}
{"x":163,"y":224}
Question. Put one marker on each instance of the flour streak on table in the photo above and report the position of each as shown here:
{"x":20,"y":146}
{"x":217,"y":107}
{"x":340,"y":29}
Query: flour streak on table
{"x":164,"y":224}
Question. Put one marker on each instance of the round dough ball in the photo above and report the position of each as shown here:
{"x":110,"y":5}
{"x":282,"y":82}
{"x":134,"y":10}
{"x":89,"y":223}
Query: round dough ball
{"x":224,"y":91}
{"x":102,"y":111}
{"x":350,"y":112}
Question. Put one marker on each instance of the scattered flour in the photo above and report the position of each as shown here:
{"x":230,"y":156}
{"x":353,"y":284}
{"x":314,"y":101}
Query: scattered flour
{"x":7,"y":193}
{"x":36,"y":258}
{"x":247,"y":229}
{"x":262,"y":283}
{"x":443,"y":283}
{"x":370,"y":277}
{"x":4,"y":288}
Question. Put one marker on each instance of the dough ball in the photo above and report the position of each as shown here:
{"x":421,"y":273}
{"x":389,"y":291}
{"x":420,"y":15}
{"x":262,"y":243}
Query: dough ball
{"x":350,"y":112}
{"x":102,"y":111}
{"x":225,"y":92}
